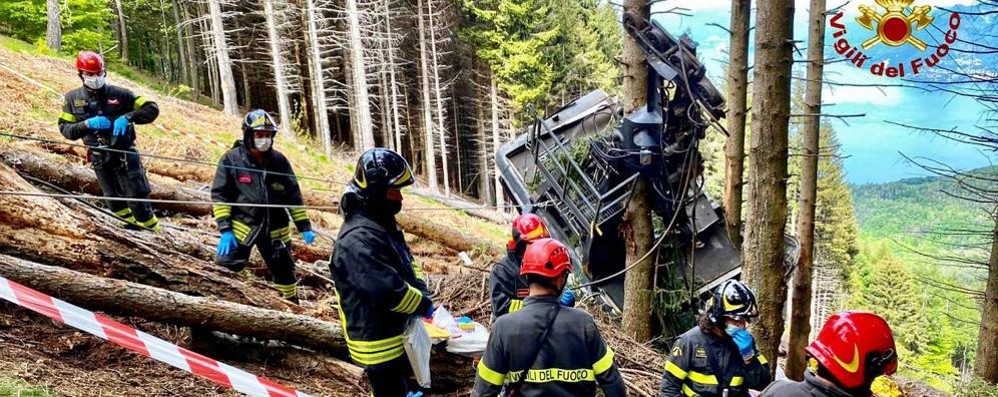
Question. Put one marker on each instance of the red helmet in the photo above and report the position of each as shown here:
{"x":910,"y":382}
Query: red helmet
{"x":90,"y":62}
{"x":855,"y":347}
{"x":546,"y":257}
{"x":527,"y":227}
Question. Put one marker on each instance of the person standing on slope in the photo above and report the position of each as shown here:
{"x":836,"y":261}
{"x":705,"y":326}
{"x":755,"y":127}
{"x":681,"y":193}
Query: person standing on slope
{"x":252,"y":172}
{"x":102,"y":115}
{"x":378,"y":285}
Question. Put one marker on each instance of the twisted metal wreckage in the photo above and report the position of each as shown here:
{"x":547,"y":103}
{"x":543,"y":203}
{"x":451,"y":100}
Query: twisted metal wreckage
{"x":586,"y":158}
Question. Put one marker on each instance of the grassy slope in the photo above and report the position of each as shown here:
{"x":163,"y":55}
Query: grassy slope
{"x":36,"y":112}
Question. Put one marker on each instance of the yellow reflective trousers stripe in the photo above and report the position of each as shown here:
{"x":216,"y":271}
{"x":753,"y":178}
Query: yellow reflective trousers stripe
{"x":410,"y":301}
{"x":370,"y":352}
{"x":287,"y":290}
{"x":283,"y":234}
{"x":488,"y":375}
{"x":605,"y":363}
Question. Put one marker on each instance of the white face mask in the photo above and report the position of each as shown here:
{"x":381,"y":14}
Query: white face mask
{"x":263,"y":144}
{"x":93,"y":82}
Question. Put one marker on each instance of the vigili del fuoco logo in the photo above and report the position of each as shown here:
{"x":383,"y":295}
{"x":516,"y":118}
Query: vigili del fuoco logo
{"x":895,"y":23}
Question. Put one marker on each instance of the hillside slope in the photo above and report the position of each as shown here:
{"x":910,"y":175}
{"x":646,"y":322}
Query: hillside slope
{"x":69,"y":234}
{"x":905,"y":210}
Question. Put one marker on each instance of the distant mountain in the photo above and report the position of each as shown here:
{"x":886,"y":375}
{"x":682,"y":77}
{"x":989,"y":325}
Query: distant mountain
{"x":907,"y":209}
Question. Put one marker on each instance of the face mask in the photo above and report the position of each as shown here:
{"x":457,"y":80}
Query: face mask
{"x":93,"y":82}
{"x":732,"y":329}
{"x":263,"y":144}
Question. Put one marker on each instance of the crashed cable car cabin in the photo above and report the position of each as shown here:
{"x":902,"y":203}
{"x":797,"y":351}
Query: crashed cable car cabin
{"x":577,"y":169}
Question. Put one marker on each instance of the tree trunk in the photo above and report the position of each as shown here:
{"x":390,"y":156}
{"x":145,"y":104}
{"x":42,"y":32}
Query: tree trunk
{"x":318,"y":80}
{"x":640,"y":280}
{"x":439,"y":102}
{"x":122,"y":32}
{"x":132,"y":299}
{"x":800,"y":316}
{"x":430,"y":160}
{"x":484,"y":158}
{"x":227,"y":82}
{"x":986,"y":364}
{"x":184,"y":61}
{"x":496,"y":141}
{"x":194,"y":60}
{"x":283,"y":105}
{"x":361,"y":103}
{"x":394,"y":90}
{"x":734,"y":147}
{"x":767,"y":216}
{"x":53,"y":37}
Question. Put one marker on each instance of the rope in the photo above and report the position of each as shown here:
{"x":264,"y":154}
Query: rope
{"x":204,"y":163}
{"x":208,"y":203}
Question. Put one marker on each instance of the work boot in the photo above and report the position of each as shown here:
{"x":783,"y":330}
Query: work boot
{"x":246,"y":274}
{"x":294,"y":299}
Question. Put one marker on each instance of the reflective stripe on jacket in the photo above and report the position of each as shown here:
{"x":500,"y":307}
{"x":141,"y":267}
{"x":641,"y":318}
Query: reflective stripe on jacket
{"x":111,"y":102}
{"x":378,"y":288}
{"x":240,"y":179}
{"x":688,"y":371}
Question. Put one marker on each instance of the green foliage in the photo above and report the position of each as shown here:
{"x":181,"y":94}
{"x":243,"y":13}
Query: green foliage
{"x":85,"y":23}
{"x":545,"y":52}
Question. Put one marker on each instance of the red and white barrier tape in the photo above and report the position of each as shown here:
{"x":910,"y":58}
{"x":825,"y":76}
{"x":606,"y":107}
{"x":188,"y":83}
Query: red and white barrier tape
{"x":143,"y":343}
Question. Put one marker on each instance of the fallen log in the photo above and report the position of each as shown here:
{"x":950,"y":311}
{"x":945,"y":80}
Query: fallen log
{"x":156,"y":304}
{"x":46,"y":230}
{"x":131,"y":299}
{"x":418,"y":224}
{"x":79,"y":178}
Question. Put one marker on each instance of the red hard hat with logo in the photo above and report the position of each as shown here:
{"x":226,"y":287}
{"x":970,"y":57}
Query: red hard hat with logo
{"x":527,"y":227}
{"x":90,"y":62}
{"x":855,"y":347}
{"x":546,"y":257}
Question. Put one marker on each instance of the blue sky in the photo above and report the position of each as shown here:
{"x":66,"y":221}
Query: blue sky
{"x":872,"y":146}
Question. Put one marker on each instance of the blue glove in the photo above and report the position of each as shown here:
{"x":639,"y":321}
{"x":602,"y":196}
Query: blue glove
{"x":98,"y":123}
{"x":227,"y":243}
{"x":120,"y":126}
{"x":430,"y":311}
{"x":414,"y":394}
{"x":308,"y":236}
{"x":567,"y":298}
{"x":743,"y":339}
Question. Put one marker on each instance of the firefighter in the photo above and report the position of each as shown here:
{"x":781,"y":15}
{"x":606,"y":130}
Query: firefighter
{"x":252,"y":172}
{"x":506,"y":286}
{"x":378,"y":285}
{"x":718,"y":357}
{"x":852,"y":349}
{"x":103,"y":116}
{"x":546,"y":349}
